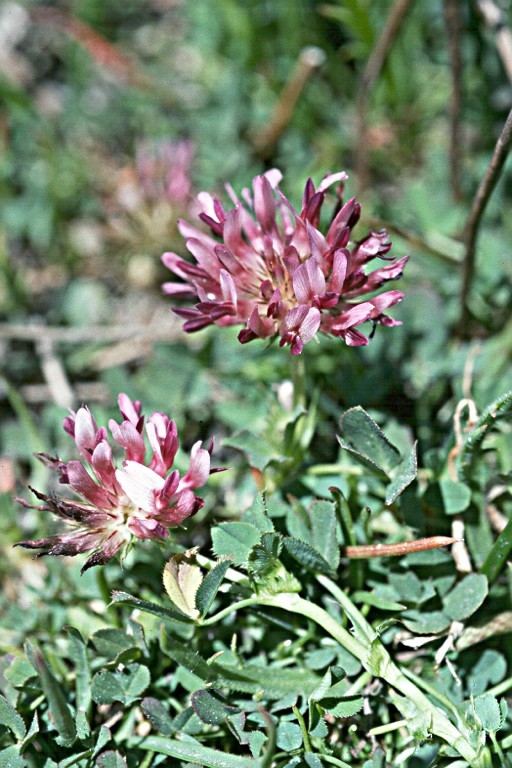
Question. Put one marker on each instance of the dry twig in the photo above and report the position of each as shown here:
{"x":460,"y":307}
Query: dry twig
{"x":370,"y":74}
{"x":310,"y":59}
{"x":478,"y":207}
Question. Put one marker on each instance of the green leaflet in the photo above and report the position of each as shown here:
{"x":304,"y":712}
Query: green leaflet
{"x":193,"y":752}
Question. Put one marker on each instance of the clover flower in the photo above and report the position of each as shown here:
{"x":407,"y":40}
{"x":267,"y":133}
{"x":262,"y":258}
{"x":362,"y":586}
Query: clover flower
{"x":270,"y":268}
{"x":140,"y":498}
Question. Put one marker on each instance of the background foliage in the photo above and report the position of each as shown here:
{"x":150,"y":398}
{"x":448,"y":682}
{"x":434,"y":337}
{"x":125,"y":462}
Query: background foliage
{"x":87,"y":87}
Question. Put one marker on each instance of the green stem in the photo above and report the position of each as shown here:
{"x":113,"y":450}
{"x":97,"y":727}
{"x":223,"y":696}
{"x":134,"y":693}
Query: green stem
{"x":359,"y":684}
{"x":447,"y":704}
{"x":380,"y":730}
{"x":378,"y":662}
{"x":304,"y":730}
{"x":334,"y":761}
{"x":290,"y":601}
{"x":106,"y":595}
{"x":500,"y":688}
{"x":230,"y":609}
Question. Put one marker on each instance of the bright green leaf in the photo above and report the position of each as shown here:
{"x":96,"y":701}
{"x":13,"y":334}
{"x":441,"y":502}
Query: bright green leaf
{"x":402,"y":475}
{"x":125,"y":686}
{"x":158,"y":716}
{"x":210,"y":707}
{"x":257,"y":515}
{"x":195,"y":753}
{"x":425,"y":622}
{"x":235,"y":540}
{"x":209,"y":587}
{"x":57,"y":703}
{"x":456,"y":496}
{"x":11,"y":758}
{"x":288,"y":736}
{"x":306,"y":555}
{"x":11,"y":719}
{"x":365,"y":440}
{"x":111,"y":759}
{"x":488,"y":712}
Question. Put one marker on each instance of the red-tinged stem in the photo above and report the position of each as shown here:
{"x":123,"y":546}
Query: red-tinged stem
{"x":399,"y":548}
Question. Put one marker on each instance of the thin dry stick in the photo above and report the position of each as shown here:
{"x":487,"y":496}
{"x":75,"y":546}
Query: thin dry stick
{"x":417,"y":242}
{"x":460,"y":553}
{"x":480,"y":201}
{"x":88,"y":334}
{"x":370,"y":74}
{"x":452,"y":20}
{"x":495,"y":18}
{"x":399,"y":548}
{"x":310,"y":59}
{"x":55,"y":376}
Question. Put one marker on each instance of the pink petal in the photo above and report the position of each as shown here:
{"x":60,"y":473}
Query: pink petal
{"x":103,"y":464}
{"x":140,"y":484}
{"x":228,"y":287}
{"x":308,"y":281}
{"x":310,"y":325}
{"x":129,"y":438}
{"x":264,"y":203}
{"x":339,"y":271}
{"x":331,"y":179}
{"x":147,"y":529}
{"x":129,"y":410}
{"x":83,"y":484}
{"x":199,"y":469}
{"x":385,"y":301}
{"x":85,"y":432}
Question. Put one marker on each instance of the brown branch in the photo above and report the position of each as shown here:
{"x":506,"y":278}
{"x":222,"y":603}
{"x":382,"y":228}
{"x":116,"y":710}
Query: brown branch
{"x":478,"y":207}
{"x":370,"y":74}
{"x":309,"y":59}
{"x":452,"y":20}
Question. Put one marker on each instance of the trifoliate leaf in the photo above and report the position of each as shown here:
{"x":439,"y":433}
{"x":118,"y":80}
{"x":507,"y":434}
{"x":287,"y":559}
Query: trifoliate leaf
{"x":125,"y":686}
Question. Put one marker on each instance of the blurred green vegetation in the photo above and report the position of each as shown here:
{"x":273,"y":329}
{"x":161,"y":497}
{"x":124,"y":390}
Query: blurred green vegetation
{"x":88,"y":90}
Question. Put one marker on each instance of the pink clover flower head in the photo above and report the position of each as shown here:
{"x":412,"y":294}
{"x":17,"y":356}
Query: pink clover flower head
{"x":141,"y":496}
{"x":164,"y":169}
{"x":270,"y":268}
